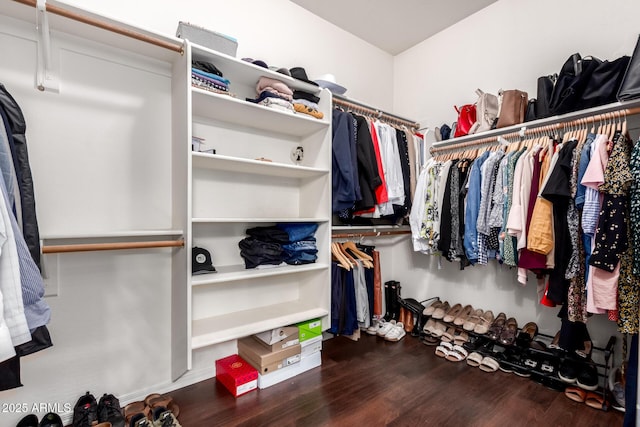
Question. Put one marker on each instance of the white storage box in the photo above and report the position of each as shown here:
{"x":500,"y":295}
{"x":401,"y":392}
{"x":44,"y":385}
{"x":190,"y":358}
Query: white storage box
{"x":285,"y":373}
{"x":207,"y":38}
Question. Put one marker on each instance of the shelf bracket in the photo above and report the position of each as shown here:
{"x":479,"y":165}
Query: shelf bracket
{"x":46,"y":78}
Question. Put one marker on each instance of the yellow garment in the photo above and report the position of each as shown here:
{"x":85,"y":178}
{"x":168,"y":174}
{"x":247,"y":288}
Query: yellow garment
{"x":301,"y":108}
{"x":540,"y":236}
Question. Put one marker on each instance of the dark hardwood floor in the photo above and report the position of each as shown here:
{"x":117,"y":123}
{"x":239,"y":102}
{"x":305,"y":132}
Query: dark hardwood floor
{"x":373,"y":382}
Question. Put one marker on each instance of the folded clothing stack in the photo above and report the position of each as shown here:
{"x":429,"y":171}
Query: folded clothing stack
{"x":207,"y":76}
{"x":283,"y":243}
{"x":273,"y":93}
{"x":307,"y":103}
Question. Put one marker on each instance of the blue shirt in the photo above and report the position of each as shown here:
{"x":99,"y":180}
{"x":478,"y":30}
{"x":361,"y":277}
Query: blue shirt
{"x":472,"y":209}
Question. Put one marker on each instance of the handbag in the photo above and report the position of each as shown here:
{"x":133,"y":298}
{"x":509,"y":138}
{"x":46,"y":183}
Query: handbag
{"x":604,"y":83}
{"x":466,"y":119}
{"x":530,"y":115}
{"x":512,"y":108}
{"x":544,"y":93}
{"x":630,"y":86}
{"x":486,"y":112}
{"x":572,"y":81}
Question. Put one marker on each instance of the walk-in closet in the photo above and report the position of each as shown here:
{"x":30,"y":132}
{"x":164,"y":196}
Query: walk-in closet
{"x":319,"y":213}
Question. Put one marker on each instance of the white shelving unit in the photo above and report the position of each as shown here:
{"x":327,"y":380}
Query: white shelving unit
{"x":217,"y":197}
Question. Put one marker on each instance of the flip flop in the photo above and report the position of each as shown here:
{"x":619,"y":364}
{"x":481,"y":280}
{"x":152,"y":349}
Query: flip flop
{"x":457,"y":354}
{"x":576,"y":394}
{"x":595,"y":400}
{"x":474,"y":359}
{"x":489,"y":364}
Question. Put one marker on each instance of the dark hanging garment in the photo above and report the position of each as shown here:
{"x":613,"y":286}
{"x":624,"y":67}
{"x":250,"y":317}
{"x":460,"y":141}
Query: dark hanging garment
{"x":16,"y":126}
{"x":446,"y":218}
{"x":368,"y":175}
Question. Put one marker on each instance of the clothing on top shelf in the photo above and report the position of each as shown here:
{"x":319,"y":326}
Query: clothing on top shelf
{"x":567,"y":211}
{"x":281,"y":244}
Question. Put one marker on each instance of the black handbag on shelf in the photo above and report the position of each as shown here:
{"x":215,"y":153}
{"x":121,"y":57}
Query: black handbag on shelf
{"x":543,"y":99}
{"x":630,"y":87}
{"x":604,"y":82}
{"x":573,"y":78}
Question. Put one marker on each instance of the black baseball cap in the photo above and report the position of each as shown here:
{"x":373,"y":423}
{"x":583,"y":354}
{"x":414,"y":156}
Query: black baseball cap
{"x":201,"y":261}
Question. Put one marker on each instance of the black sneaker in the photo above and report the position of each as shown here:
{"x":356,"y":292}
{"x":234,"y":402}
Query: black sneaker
{"x":30,"y":420}
{"x":588,"y":377}
{"x":51,"y":420}
{"x":568,"y":371}
{"x":85,"y":413}
{"x":109,"y":410}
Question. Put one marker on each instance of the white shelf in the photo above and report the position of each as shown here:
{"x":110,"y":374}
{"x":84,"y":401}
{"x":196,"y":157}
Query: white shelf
{"x":247,"y":114}
{"x":257,"y":219}
{"x":250,"y":166}
{"x":233,"y":273}
{"x":237,"y":70}
{"x":217,"y":329}
{"x":113,"y":234}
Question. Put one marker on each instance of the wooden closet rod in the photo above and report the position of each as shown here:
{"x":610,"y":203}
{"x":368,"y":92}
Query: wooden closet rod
{"x":357,"y":106}
{"x":54,"y":249}
{"x":177,"y":47}
{"x":541,"y":127}
{"x":352,"y":235}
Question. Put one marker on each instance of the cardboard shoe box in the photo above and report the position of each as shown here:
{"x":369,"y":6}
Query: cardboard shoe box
{"x":276,"y":335}
{"x":311,"y":346}
{"x":265,"y":360}
{"x":291,"y":339}
{"x":237,"y":375}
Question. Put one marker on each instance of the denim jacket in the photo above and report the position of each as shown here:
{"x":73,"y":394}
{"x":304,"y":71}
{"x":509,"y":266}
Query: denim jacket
{"x":472,"y":209}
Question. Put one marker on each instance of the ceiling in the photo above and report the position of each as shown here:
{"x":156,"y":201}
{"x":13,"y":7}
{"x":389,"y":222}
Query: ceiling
{"x":393,"y":26}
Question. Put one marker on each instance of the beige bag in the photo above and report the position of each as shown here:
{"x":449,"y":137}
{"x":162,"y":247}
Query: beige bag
{"x":513,"y":107}
{"x":486,"y":112}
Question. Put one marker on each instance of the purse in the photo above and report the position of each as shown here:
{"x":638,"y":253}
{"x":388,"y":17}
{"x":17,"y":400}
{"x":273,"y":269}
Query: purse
{"x":573,"y":78}
{"x":466,"y":119}
{"x":530,"y":115}
{"x":544,"y":93}
{"x":486,"y":112}
{"x":512,"y":108}
{"x":604,"y":83}
{"x":630,"y":86}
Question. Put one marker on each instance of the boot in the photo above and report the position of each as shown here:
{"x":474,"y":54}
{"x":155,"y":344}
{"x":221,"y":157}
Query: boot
{"x":387,"y":302}
{"x":393,"y":297}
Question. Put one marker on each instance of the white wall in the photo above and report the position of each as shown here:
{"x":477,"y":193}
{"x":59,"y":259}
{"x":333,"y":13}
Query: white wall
{"x":507,"y":45}
{"x":100,"y":156}
{"x":278,"y":31}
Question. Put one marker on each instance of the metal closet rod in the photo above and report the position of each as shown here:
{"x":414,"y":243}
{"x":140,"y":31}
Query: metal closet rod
{"x":87,"y":247}
{"x":357,"y":106}
{"x":352,"y":235}
{"x":541,"y":127}
{"x":176,"y":47}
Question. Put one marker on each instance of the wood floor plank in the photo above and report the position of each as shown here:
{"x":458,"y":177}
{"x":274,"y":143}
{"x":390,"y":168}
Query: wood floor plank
{"x":373,"y":382}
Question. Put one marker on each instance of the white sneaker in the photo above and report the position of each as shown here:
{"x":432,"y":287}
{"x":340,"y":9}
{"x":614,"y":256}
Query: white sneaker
{"x":384,"y":327}
{"x":396,"y":333}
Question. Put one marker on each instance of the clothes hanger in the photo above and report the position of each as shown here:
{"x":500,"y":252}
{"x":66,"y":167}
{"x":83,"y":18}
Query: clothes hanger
{"x":339,"y":257}
{"x":353,"y":248}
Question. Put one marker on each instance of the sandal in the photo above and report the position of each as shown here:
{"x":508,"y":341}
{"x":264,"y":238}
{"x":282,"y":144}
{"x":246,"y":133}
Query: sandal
{"x":439,"y":329}
{"x":460,"y":337}
{"x":134,"y":408}
{"x":474,"y":359}
{"x":443,"y":349}
{"x":429,"y":326}
{"x":448,"y":334}
{"x":596,"y":401}
{"x":489,"y":364}
{"x":457,"y":354}
{"x":508,"y":334}
{"x":496,"y":327}
{"x":156,"y":400}
{"x":576,"y":394}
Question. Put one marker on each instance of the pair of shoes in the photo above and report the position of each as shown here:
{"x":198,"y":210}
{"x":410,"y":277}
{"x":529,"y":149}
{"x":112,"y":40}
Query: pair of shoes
{"x":463,"y":315}
{"x":105,"y":413}
{"x":384,"y":327}
{"x":616,"y":388}
{"x":451,"y":352}
{"x":495,"y":330}
{"x":406,"y":318}
{"x":453,"y":313}
{"x":594,"y":400}
{"x":146,"y":413}
{"x":484,"y":322}
{"x":396,"y":333}
{"x":428,"y":311}
{"x":441,"y":310}
{"x":473,"y":320}
{"x":508,"y":334}
{"x":583,"y":374}
{"x":49,"y":420}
